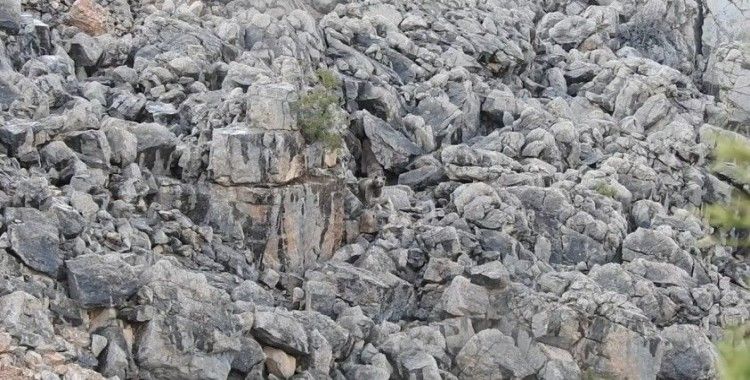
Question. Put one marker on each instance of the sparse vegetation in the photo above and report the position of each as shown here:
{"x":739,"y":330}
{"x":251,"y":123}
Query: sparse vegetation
{"x":328,"y":79}
{"x":735,"y":354}
{"x":733,"y":219}
{"x":319,"y":111}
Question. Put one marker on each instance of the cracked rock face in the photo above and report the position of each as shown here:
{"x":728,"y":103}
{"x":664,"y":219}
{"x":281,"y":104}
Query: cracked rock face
{"x":513,"y":188}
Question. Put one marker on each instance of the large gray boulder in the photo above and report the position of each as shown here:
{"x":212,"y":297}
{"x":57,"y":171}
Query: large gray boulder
{"x":85,"y":50}
{"x":490,"y":354}
{"x":727,"y":72}
{"x":250,"y":291}
{"x":101,"y":280}
{"x":688,"y":354}
{"x":382,"y":296}
{"x":464,"y":299}
{"x":17,"y":139}
{"x":26,"y":318}
{"x":154,"y":147}
{"x":391,"y":148}
{"x":34,"y":239}
{"x":10,"y":16}
{"x":463,"y":163}
{"x":280,"y":329}
{"x":272,"y":106}
{"x":653,"y":245}
{"x":123,"y":143}
{"x":192,"y":334}
{"x":290,"y":227}
{"x":254,"y":156}
{"x":92,"y":147}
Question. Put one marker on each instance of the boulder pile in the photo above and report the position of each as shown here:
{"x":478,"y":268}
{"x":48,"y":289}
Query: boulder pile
{"x":509,"y":188}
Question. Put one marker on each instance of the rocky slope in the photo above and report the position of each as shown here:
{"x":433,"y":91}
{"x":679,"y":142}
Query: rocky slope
{"x":545,"y":162}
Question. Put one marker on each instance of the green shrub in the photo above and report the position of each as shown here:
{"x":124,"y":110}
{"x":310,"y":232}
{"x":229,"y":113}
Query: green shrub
{"x":320,"y":111}
{"x":734,"y":352}
{"x":732,"y":158}
{"x":328,"y":79}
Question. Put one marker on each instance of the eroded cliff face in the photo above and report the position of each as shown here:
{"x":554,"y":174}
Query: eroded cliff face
{"x":545,"y":164}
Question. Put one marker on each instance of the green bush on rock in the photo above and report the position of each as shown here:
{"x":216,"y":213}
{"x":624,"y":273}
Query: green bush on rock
{"x":733,"y":219}
{"x":320,"y":111}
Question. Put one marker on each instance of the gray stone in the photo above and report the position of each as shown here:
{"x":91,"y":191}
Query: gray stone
{"x":26,"y":319}
{"x":654,"y":245}
{"x":491,"y":354}
{"x":689,"y":354}
{"x":100,"y":280}
{"x":441,"y":242}
{"x":325,"y":6}
{"x":661,"y":274}
{"x":422,"y":177}
{"x":464,"y":299}
{"x":185,"y":67}
{"x":17,"y":138}
{"x":70,"y":221}
{"x":492,"y":274}
{"x":280,"y":329}
{"x":92,"y":147}
{"x":273,"y":106}
{"x":382,"y":296}
{"x":34,"y":240}
{"x":85,"y":50}
{"x":463,"y":163}
{"x":391,"y":148}
{"x":10,"y":16}
{"x":193,"y":337}
{"x":98,"y":343}
{"x":155,"y":144}
{"x":124,"y":144}
{"x":127,"y":106}
{"x":291,"y":225}
{"x":624,"y":352}
{"x":249,"y":291}
{"x":242,"y":156}
{"x":440,"y":269}
{"x":336,"y":336}
{"x":250,"y":354}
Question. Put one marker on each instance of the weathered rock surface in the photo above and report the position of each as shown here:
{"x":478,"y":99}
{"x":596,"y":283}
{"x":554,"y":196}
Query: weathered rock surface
{"x":101,"y":280}
{"x":497,"y":189}
{"x":10,"y":16}
{"x":34,"y":239}
{"x":490,"y":354}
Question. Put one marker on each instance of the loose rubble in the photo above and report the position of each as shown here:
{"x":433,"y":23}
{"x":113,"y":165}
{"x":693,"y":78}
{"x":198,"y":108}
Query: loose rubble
{"x":517,"y":191}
